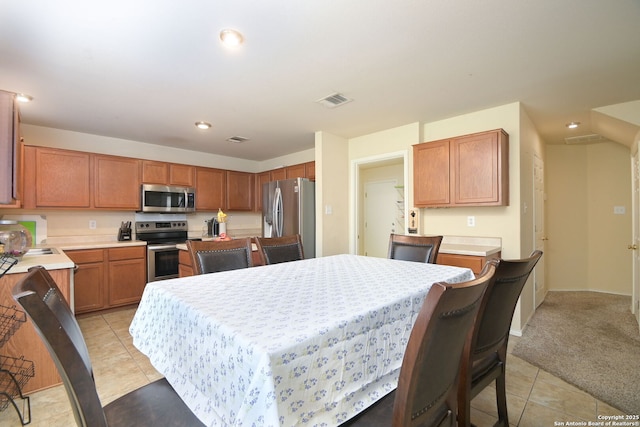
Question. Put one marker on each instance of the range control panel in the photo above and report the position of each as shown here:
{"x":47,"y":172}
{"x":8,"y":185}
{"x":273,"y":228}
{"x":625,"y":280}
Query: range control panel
{"x":156,"y":226}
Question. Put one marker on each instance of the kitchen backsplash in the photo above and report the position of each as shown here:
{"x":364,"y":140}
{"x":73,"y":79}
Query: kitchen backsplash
{"x":64,"y":225}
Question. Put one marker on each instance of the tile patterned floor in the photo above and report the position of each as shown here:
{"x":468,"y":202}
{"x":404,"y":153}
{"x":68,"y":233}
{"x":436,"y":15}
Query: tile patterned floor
{"x":535,"y":398}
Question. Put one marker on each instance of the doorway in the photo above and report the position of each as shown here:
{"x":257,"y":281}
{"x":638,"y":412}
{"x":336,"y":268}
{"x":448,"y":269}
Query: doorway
{"x":380,"y":216}
{"x":390,"y":168}
{"x":635,"y":238}
{"x":540,"y":288}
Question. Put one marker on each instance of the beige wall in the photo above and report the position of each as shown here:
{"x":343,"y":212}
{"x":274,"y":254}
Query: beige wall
{"x":503,"y":221}
{"x":511,"y":223}
{"x":531,"y":145}
{"x":332,"y":195}
{"x":587,"y":244}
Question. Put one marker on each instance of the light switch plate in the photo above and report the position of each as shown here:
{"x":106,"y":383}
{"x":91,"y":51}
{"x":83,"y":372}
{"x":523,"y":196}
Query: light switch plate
{"x":619,"y":210}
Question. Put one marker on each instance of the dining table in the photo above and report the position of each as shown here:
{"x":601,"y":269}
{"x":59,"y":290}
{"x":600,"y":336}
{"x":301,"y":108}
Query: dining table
{"x":304,"y":343}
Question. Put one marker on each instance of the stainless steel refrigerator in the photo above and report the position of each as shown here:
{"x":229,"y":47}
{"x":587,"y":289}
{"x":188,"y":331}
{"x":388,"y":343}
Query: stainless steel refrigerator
{"x":289,"y":207}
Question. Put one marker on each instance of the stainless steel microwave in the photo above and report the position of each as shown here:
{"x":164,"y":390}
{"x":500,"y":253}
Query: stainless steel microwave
{"x":165,"y":198}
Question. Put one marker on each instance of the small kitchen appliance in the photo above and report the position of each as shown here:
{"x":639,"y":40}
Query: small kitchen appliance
{"x":167,"y":199}
{"x":213,"y":227}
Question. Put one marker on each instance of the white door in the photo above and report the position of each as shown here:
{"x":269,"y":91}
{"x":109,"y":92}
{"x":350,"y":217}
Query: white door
{"x":538,"y":221}
{"x":635,"y":238}
{"x":380,"y":212}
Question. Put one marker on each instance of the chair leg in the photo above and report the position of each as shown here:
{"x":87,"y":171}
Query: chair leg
{"x":464,"y":407}
{"x":501,"y":398}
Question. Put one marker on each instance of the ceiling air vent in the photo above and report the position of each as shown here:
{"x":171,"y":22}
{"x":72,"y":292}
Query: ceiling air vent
{"x":334,"y":100}
{"x":585,"y":139}
{"x":237,"y":139}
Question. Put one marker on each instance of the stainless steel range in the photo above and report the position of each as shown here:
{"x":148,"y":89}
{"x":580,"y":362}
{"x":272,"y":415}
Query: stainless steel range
{"x":162,"y":253}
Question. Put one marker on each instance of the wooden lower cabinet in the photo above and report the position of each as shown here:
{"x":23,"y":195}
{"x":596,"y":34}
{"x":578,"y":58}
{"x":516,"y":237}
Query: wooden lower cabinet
{"x":475,"y":263}
{"x":107,"y":278}
{"x":127,"y":274}
{"x":88,"y":280}
{"x":25,"y":345}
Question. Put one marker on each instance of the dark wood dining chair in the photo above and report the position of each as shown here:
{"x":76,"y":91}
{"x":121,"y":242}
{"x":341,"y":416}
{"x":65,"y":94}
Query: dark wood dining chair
{"x":414,"y":248}
{"x":212,"y":256}
{"x":275,"y":250}
{"x":427,"y":387}
{"x":485,"y":354}
{"x":155,"y":404}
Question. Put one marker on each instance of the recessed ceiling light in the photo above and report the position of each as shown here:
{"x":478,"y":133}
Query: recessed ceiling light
{"x":21,"y":97}
{"x":203,"y":125}
{"x":231,"y":37}
{"x":573,"y":125}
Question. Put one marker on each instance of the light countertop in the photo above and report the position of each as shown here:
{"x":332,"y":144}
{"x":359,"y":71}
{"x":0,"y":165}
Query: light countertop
{"x":54,"y":261}
{"x":58,"y":260}
{"x":471,"y":246}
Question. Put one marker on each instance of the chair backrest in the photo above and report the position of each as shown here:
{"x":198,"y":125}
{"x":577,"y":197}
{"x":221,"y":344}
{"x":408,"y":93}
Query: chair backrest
{"x":53,"y":320}
{"x":275,"y":250}
{"x":496,"y":311}
{"x":427,"y":387}
{"x":414,"y":248}
{"x":212,"y":256}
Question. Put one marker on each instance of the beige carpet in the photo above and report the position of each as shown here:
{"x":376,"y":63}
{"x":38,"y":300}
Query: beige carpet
{"x":590,"y":340}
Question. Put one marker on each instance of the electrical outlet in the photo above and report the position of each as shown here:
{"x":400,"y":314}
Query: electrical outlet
{"x":92,"y":224}
{"x":471,"y":221}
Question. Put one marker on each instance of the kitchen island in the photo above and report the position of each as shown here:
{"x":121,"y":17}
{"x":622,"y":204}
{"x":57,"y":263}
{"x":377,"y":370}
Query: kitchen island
{"x":22,"y":352}
{"x":21,"y":349}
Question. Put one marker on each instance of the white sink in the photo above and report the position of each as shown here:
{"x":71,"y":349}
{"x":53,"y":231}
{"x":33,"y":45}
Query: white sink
{"x":41,"y":251}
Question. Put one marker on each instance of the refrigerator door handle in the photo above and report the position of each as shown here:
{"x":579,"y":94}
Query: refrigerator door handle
{"x":277,"y":213}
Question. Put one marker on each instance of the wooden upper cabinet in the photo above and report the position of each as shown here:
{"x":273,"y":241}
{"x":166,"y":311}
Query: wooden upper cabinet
{"x":56,"y":178}
{"x":240,"y":188}
{"x":167,"y":173}
{"x":295,"y":171}
{"x":310,"y":170}
{"x":278,"y":174}
{"x":431,"y":175}
{"x":261,"y":178}
{"x":210,"y":189}
{"x":480,"y":162}
{"x":155,"y":172}
{"x":116,"y":182}
{"x":181,"y":175}
{"x":470,"y":170}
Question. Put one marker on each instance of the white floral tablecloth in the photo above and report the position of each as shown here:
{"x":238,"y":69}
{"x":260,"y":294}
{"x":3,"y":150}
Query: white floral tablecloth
{"x":304,"y":343}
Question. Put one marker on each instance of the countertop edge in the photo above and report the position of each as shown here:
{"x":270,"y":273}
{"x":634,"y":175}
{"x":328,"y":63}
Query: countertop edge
{"x":60,"y":260}
{"x":469,"y":250}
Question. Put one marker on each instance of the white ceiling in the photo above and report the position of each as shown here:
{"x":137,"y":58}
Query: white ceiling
{"x":146,"y":70}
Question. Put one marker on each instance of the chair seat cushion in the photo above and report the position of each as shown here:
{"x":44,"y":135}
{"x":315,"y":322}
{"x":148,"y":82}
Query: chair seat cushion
{"x":482,"y":366}
{"x":156,"y":404}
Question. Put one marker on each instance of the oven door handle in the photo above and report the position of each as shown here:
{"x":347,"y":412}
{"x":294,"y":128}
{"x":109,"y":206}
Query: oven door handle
{"x":161,"y":247}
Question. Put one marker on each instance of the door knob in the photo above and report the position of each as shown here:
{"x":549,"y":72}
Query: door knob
{"x":632,"y":247}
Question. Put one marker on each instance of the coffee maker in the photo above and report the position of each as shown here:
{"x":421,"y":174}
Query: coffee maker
{"x":213,"y":227}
